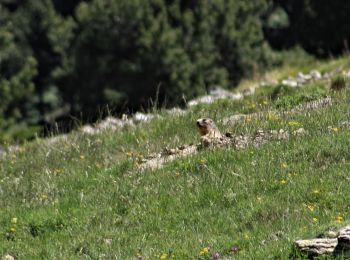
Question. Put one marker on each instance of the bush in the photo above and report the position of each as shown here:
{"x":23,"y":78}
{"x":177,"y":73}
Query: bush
{"x":339,"y":82}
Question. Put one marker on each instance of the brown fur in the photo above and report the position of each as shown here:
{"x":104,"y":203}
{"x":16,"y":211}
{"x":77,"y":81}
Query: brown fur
{"x":208,"y":131}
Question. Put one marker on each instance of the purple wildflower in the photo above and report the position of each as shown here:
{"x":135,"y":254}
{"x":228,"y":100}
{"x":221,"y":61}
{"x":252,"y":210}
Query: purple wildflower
{"x":216,"y":256}
{"x":234,"y":249}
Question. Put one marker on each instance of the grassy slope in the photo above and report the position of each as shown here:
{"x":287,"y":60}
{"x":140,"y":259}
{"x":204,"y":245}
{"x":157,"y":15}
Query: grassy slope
{"x":70,"y":197}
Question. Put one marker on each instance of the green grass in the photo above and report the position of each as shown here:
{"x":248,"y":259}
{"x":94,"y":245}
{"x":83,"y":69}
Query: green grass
{"x":84,"y":197}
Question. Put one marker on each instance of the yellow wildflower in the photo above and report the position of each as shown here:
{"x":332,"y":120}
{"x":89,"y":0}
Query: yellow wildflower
{"x":82,"y":157}
{"x":294,"y":123}
{"x":13,"y":229}
{"x":284,"y":165}
{"x":14,"y":221}
{"x":283,"y":182}
{"x":272,"y":117}
{"x":311,"y":208}
{"x":205,"y":251}
{"x":334,"y":129}
{"x":339,"y":219}
{"x":58,"y":171}
{"x":315,"y":220}
{"x":259,"y":198}
{"x":163,"y":256}
{"x":316,"y":191}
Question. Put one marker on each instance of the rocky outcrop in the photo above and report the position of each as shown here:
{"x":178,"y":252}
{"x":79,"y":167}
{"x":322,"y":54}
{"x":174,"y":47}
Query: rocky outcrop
{"x":337,"y":245}
{"x":316,"y":246}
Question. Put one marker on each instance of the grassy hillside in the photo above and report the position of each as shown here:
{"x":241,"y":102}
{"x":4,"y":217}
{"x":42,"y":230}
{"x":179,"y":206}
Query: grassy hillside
{"x":84,"y":197}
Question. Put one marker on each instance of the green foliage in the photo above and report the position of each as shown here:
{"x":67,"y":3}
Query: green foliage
{"x":33,"y":43}
{"x":143,"y":49}
{"x":17,"y":71}
{"x":339,"y":82}
{"x":287,"y":97}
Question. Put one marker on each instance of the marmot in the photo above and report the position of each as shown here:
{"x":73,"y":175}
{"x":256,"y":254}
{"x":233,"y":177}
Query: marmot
{"x":208,"y":131}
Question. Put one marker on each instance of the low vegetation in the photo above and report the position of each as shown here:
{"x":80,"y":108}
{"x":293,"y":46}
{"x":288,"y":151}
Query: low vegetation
{"x":84,"y":197}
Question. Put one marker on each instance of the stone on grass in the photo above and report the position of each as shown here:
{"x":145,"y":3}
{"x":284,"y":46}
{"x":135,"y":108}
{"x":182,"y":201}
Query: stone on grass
{"x":337,"y":245}
{"x":9,"y":257}
{"x":299,"y":132}
{"x":142,"y":117}
{"x":290,"y":83}
{"x":316,"y":246}
{"x":316,"y":75}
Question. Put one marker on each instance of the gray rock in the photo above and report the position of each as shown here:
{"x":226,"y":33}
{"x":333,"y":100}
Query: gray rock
{"x":176,"y":111}
{"x":88,"y":129}
{"x":316,"y":246}
{"x":248,"y":91}
{"x":290,"y":83}
{"x":336,"y":244}
{"x":302,"y":78}
{"x":9,"y":257}
{"x":316,"y":75}
{"x":142,"y":117}
{"x":215,"y":94}
{"x":112,"y":123}
{"x":299,"y":132}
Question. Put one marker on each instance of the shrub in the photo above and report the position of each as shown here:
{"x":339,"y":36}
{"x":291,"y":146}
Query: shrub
{"x":339,"y":82}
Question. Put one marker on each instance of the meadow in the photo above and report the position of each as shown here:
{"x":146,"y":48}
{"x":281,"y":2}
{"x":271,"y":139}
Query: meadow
{"x":84,"y":198}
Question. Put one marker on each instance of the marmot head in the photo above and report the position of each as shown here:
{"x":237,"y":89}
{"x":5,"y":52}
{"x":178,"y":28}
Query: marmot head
{"x":205,"y":125}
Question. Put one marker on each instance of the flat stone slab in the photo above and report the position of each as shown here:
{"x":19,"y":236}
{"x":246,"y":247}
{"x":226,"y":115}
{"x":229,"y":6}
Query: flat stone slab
{"x":317,"y":246}
{"x":338,"y":246}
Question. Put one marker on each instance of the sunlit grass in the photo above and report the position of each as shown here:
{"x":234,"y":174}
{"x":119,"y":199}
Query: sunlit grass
{"x":84,"y":197}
